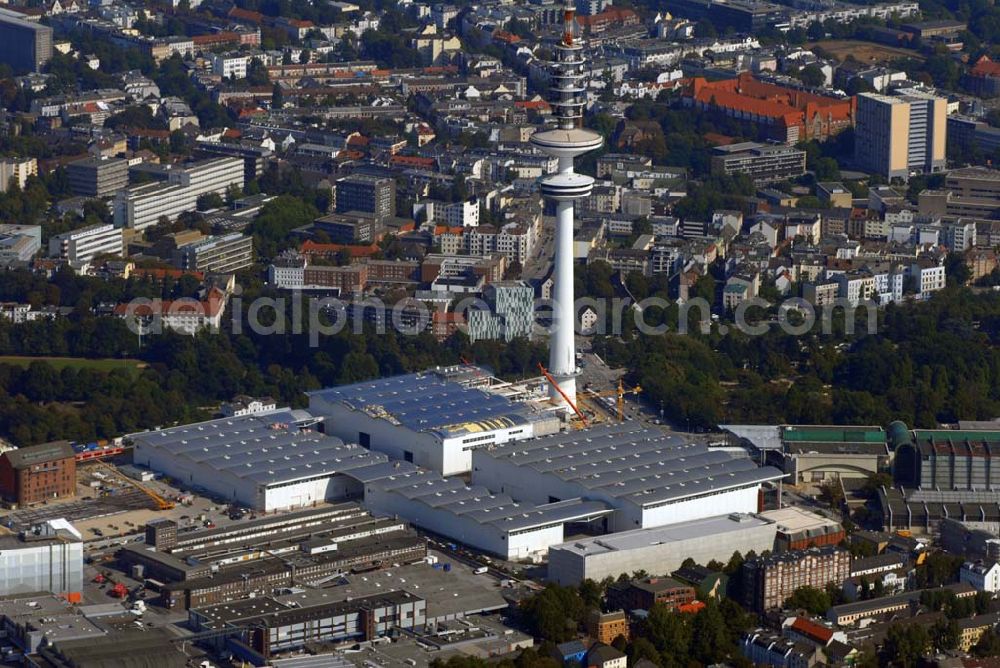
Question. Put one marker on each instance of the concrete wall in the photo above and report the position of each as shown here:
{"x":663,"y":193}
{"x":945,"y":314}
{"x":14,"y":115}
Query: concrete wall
{"x":569,"y":568}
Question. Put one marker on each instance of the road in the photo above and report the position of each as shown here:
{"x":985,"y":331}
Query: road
{"x":540,"y":260}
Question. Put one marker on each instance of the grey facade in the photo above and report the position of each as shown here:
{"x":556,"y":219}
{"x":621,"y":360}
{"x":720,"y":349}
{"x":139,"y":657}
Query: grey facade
{"x":365,"y":194}
{"x":24,"y":45}
{"x":511,"y":312}
{"x":48,"y":558}
{"x":762,"y":163}
{"x":659,"y":551}
{"x":219,"y":254}
{"x":95,"y":177}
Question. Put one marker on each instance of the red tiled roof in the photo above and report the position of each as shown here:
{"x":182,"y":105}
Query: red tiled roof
{"x":691,"y":608}
{"x":506,"y":37}
{"x":812,"y":630}
{"x":246,"y":15}
{"x":540,"y":105}
{"x":985,"y":67}
{"x":411,"y":161}
{"x":748,"y":95}
{"x":210,"y":307}
{"x":310,"y":247}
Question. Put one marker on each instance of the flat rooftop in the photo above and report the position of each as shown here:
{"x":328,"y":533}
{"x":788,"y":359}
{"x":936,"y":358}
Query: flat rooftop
{"x":476,"y":502}
{"x":429,"y":401}
{"x":672,"y":533}
{"x":454,"y":593}
{"x":267,"y":448}
{"x":791,"y":519}
{"x":630,"y":461}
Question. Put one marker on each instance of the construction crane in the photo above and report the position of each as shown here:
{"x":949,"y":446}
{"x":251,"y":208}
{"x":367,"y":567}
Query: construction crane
{"x":620,"y":393}
{"x":161,"y":503}
{"x":552,"y":381}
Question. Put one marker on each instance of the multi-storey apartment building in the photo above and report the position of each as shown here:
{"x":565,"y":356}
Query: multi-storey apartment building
{"x":769,"y":581}
{"x":17,"y":170}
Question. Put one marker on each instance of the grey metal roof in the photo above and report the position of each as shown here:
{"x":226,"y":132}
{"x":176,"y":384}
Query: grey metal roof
{"x":477,"y":503}
{"x":631,"y":461}
{"x":271,"y":448}
{"x":429,"y":402}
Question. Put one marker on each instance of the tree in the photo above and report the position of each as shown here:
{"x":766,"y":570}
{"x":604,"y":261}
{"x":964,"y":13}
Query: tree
{"x":832,"y":493}
{"x":277,"y":96}
{"x":812,"y":75}
{"x":811,"y":599}
{"x":905,"y":644}
{"x":945,"y":634}
{"x":209,"y":201}
{"x":554,"y":613}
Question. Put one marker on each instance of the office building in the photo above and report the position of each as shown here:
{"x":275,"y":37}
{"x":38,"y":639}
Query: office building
{"x":969,"y":134}
{"x":510,"y":313}
{"x":349,"y":228}
{"x":46,"y":557}
{"x":902,"y":135}
{"x":216,"y":254}
{"x":24,"y":45}
{"x":38,"y":473}
{"x":969,"y":192}
{"x":19,"y":243}
{"x":764,"y":163}
{"x":81,"y":246}
{"x":434,"y":419}
{"x":267,"y":462}
{"x":659,"y":550}
{"x":768,"y":581}
{"x":143,"y":206}
{"x":373,"y":196}
{"x":15,"y":170}
{"x":97,"y":177}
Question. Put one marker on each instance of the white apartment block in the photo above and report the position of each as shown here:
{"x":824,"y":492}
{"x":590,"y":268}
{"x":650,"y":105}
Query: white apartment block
{"x":79,"y":247}
{"x":513,"y":240}
{"x":462,"y":214}
{"x":17,"y":171}
{"x":927,"y":279}
{"x":982,"y":576}
{"x":231,"y":65}
{"x":856,"y":287}
{"x":143,"y":206}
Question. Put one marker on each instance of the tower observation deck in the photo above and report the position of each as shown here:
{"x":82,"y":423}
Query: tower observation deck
{"x":566,"y":141}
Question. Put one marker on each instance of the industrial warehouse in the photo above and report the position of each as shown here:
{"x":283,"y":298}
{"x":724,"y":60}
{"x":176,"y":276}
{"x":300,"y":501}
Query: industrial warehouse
{"x":270,"y":461}
{"x":494,"y":523}
{"x":253,"y":558}
{"x":648,"y":476}
{"x":433,"y":419}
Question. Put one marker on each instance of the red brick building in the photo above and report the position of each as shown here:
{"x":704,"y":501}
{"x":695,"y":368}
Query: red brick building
{"x":786,"y":114}
{"x":644,"y":594}
{"x":38,"y":473}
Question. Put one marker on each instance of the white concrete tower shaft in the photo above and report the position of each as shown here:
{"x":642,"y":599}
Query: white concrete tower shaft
{"x":566,"y":141}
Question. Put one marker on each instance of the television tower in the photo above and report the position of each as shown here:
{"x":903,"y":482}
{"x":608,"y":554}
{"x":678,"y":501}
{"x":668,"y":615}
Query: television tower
{"x":568,"y":140}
